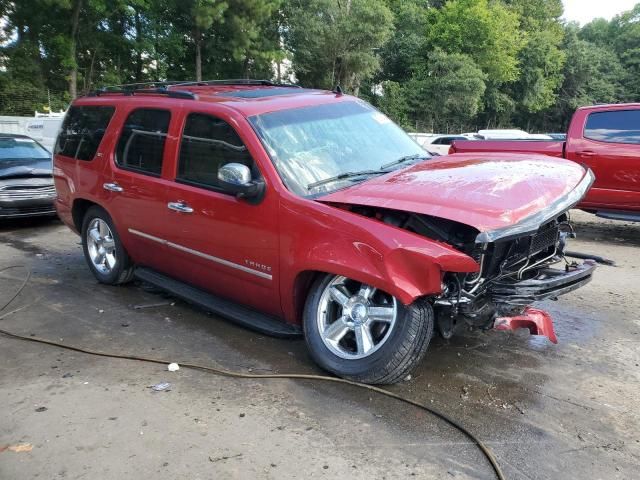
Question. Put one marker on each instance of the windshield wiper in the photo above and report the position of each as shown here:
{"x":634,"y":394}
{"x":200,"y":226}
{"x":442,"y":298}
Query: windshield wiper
{"x":343,"y":176}
{"x":404,"y":159}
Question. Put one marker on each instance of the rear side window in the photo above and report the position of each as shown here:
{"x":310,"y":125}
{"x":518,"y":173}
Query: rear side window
{"x":621,"y":126}
{"x":82,"y":131}
{"x":209,"y":143}
{"x":141,"y":144}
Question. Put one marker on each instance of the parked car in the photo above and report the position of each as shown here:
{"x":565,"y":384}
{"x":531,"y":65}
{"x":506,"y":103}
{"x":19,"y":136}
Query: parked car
{"x":26,"y":181}
{"x":508,"y":134}
{"x":292,"y":210}
{"x":604,"y":138}
{"x":557,"y":136}
{"x":440,"y":143}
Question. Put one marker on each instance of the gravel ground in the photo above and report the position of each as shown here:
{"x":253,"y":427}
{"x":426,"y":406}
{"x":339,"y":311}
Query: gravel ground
{"x":548,"y":411}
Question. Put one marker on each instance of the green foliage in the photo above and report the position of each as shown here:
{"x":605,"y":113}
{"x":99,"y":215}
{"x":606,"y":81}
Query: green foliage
{"x":592,"y":74}
{"x":446,"y":92}
{"x":486,"y":31}
{"x":445,"y":65}
{"x":333,"y":42}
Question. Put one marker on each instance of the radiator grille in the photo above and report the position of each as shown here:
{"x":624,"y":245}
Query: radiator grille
{"x":544,"y":240}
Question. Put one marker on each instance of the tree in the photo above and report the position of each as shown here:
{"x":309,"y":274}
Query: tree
{"x":625,"y":31}
{"x":446,"y":93}
{"x":592,"y":74}
{"x":196,"y":18}
{"x":541,"y":58}
{"x":406,"y":46}
{"x":334,"y":42}
{"x":488,"y":32}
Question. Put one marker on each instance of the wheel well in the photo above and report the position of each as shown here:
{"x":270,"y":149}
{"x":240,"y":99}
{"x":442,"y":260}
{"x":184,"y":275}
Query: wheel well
{"x":301,"y":288}
{"x":78,"y":211}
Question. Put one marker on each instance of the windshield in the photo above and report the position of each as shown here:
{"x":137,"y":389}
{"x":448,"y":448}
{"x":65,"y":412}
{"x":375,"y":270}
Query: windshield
{"x":312,"y":146}
{"x":21,"y":148}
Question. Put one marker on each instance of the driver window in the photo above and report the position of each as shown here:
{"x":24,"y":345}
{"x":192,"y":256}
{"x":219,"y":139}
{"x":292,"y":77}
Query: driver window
{"x":208,"y":144}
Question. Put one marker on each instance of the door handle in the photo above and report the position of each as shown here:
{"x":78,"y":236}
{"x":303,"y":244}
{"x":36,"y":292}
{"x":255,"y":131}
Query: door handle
{"x":587,"y":153}
{"x":179,"y":207}
{"x":112,"y":187}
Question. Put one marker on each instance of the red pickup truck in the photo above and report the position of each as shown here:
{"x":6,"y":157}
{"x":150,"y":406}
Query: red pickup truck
{"x":605,"y":138}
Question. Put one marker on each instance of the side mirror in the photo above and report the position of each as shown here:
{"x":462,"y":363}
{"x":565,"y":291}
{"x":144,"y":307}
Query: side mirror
{"x":236,"y":178}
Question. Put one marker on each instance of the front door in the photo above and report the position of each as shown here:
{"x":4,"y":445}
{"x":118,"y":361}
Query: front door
{"x":220,"y":243}
{"x":611,"y":148}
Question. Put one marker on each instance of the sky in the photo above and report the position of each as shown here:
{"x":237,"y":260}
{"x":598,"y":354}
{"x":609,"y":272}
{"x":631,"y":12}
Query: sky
{"x":583,"y":11}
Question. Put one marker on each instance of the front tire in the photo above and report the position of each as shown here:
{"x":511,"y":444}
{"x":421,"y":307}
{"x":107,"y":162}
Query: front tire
{"x":103,"y":250}
{"x":363,"y":334}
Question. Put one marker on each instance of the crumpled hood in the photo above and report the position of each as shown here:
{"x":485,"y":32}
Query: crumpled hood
{"x":25,"y":167}
{"x":488,"y":191}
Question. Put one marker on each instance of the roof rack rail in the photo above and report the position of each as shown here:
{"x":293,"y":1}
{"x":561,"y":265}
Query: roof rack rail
{"x":166,"y":87}
{"x":234,"y":81}
{"x":145,"y":90}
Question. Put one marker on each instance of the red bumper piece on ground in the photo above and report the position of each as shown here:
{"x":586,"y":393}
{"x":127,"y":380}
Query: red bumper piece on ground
{"x":538,"y":322}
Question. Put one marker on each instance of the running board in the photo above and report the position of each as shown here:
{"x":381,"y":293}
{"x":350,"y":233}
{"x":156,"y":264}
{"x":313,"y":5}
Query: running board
{"x":624,"y":216}
{"x":235,"y":312}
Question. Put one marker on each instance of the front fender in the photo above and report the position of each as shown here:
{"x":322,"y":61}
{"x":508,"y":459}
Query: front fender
{"x":335,"y":241}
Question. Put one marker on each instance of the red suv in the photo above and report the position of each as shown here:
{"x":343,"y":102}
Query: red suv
{"x":297,"y":211}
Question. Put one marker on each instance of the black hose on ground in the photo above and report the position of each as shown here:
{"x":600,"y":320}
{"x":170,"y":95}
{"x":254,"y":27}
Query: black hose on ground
{"x":589,"y":256}
{"x":228,"y":373}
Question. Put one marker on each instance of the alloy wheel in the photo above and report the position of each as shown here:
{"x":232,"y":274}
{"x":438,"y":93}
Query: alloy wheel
{"x":101,"y":246}
{"x":355,"y":319}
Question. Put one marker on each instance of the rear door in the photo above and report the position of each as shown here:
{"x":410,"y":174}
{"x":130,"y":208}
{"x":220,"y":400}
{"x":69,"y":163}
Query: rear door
{"x":218,"y":242}
{"x":136,"y":190}
{"x":608,"y":142}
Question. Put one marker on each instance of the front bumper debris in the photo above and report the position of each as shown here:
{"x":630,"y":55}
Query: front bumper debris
{"x":549,"y":283}
{"x":538,"y":322}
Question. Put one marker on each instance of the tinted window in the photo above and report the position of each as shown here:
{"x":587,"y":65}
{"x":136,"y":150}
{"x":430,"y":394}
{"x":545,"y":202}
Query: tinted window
{"x":447,"y":140}
{"x":209,"y":143}
{"x":82,"y":131}
{"x":622,"y":126}
{"x":20,"y":147}
{"x":141,"y":144}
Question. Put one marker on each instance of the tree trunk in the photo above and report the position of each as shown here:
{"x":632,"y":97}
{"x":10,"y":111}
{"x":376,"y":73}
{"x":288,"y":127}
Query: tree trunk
{"x":89,"y":80}
{"x":198,"y":42}
{"x":138,"y":25}
{"x":73,"y":74}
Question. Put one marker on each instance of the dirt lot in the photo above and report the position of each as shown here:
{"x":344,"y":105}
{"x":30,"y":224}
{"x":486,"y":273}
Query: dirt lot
{"x":547,"y":411}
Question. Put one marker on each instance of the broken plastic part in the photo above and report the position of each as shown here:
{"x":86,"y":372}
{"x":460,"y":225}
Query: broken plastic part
{"x":538,"y":322}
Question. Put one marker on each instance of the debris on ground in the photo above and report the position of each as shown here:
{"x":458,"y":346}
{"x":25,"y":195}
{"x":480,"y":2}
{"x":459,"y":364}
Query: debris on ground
{"x":151,"y":305}
{"x":18,"y":448}
{"x":225,"y":457}
{"x":173,"y":367}
{"x":41,"y":409}
{"x":465,"y":393}
{"x":161,"y":387}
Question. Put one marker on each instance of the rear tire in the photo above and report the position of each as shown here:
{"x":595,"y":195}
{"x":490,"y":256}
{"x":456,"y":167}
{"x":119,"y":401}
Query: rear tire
{"x":337,"y":316}
{"x":103,"y":250}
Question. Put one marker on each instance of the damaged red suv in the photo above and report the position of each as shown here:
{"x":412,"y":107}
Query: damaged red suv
{"x":295,"y":211}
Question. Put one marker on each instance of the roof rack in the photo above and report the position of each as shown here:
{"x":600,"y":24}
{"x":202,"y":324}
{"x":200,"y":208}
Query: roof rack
{"x":235,"y":81}
{"x":166,"y":87}
{"x":143,"y":89}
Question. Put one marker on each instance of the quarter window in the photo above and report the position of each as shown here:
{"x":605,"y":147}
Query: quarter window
{"x":209,"y":143}
{"x":620,"y":126}
{"x":141,"y":145}
{"x":82,"y":131}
